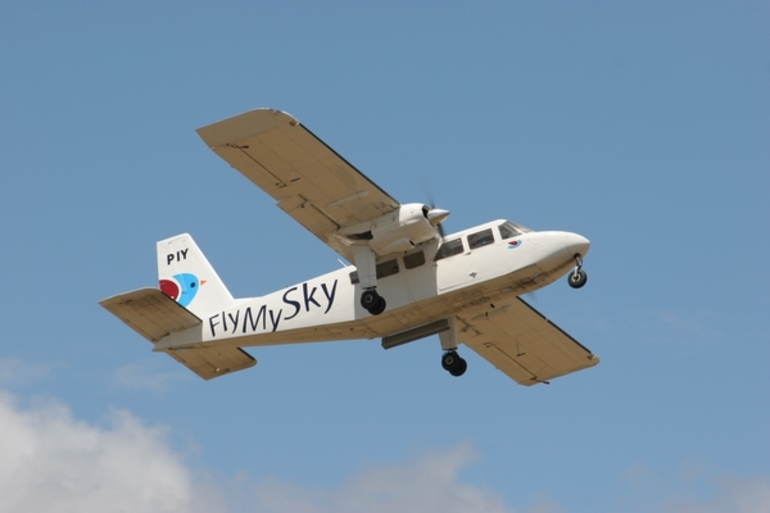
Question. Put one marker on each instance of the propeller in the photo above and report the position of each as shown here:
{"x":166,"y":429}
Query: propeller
{"x":436,"y":216}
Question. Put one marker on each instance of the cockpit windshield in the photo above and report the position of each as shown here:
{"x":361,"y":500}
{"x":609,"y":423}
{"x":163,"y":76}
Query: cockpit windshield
{"x":509,"y":229}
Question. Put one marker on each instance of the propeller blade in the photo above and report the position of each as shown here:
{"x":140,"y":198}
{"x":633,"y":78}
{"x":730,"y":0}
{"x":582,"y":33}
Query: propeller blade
{"x":435,"y":216}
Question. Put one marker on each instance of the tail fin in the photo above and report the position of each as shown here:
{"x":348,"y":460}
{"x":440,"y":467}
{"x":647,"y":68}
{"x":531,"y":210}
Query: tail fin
{"x":186,"y":276}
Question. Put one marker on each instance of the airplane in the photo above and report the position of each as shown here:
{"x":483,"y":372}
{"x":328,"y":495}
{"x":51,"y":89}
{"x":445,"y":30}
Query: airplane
{"x":407,"y":280}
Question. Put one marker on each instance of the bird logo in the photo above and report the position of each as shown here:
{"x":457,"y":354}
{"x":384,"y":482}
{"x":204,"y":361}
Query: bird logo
{"x":183,"y":288}
{"x":514,"y":244}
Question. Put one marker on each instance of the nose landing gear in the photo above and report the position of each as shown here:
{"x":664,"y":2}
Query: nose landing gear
{"x":577,"y":278}
{"x":453,"y":363}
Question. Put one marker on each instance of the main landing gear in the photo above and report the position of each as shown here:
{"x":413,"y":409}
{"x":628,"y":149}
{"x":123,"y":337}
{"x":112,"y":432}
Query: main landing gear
{"x":364,"y":259}
{"x":373,"y":302}
{"x":453,"y":363}
{"x":577,"y":278}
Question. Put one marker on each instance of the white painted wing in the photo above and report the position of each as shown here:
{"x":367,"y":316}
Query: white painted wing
{"x":519,"y":341}
{"x":308,"y":180}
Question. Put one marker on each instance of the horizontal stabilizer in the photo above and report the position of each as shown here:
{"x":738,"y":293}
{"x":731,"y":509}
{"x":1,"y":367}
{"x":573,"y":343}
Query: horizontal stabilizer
{"x":211,"y":362}
{"x":150,"y":312}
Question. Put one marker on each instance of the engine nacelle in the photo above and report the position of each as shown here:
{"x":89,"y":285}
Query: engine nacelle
{"x":400,"y":230}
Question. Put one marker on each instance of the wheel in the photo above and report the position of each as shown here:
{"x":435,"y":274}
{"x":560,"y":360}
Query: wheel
{"x":449,"y":360}
{"x":459,"y":368}
{"x":370,"y":299}
{"x":577,"y":279}
{"x":453,"y":363}
{"x":379,"y":307}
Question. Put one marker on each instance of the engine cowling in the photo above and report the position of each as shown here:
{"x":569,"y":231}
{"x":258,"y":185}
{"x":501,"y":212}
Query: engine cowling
{"x":404,"y":228}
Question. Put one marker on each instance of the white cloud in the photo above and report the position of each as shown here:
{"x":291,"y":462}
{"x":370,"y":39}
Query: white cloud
{"x":695,"y":488}
{"x":146,"y":376}
{"x":733,"y":495}
{"x":14,"y":371}
{"x":428,"y":484}
{"x":50,"y":462}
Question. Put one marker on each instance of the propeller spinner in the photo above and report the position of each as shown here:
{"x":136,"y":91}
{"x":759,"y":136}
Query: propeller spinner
{"x":436,"y":216}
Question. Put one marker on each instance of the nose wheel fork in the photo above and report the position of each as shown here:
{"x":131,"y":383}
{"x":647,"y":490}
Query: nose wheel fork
{"x":578,"y":277}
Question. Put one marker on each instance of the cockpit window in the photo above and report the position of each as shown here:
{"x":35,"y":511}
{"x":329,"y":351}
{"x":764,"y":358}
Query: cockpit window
{"x":509,"y":229}
{"x":482,"y":238}
{"x":450,"y":248}
{"x":521,"y":228}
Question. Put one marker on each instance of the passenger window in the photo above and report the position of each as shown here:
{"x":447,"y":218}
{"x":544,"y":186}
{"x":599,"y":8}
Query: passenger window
{"x":507,"y":230}
{"x":482,"y":238}
{"x":414,"y":260}
{"x":450,"y":248}
{"x":383,"y":270}
{"x":386,"y":269}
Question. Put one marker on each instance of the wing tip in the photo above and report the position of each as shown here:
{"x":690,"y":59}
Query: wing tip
{"x":241,"y":126}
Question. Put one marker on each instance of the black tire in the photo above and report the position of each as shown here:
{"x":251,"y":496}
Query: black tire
{"x":379,"y":307}
{"x":460,"y":368}
{"x":370,"y":299}
{"x":577,"y":280}
{"x":449,"y":360}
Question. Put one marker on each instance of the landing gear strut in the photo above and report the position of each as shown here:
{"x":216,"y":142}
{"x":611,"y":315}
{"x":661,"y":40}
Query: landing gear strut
{"x":373,"y":302}
{"x":577,"y":278}
{"x":452,"y":363}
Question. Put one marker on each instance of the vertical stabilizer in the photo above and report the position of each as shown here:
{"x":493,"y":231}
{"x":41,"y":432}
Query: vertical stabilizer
{"x":186,"y":276}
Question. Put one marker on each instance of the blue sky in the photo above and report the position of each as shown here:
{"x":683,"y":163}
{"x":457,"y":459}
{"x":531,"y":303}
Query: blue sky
{"x":643,"y":126}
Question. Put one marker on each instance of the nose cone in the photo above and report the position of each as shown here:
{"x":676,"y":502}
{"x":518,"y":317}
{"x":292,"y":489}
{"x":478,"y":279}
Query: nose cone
{"x":436,"y":216}
{"x":577,"y":244}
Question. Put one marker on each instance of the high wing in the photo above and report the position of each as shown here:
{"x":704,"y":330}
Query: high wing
{"x":308,"y":180}
{"x":519,"y":341}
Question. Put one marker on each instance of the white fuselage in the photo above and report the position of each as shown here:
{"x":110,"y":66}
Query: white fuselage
{"x":327,"y":307}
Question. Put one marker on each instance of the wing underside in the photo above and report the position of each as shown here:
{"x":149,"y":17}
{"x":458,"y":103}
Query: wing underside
{"x":308,"y":180}
{"x":150,"y":312}
{"x":519,"y":341}
{"x":215,"y":361}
